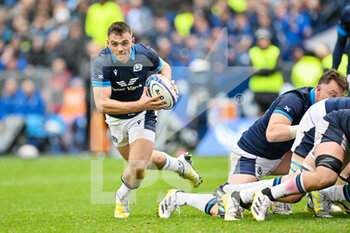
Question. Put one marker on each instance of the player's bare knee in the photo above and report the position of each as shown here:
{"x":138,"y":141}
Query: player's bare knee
{"x":140,"y":173}
{"x":158,"y":160}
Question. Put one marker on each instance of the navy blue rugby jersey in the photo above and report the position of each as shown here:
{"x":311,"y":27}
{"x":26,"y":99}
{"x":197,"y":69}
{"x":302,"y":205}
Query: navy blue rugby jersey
{"x":126,"y":80}
{"x":343,"y":35}
{"x":339,"y":126}
{"x":344,"y":21}
{"x":337,"y":104}
{"x":293,"y":104}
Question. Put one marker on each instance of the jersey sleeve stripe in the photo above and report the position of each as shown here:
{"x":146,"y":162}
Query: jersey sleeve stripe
{"x":101,"y":84}
{"x":159,"y":66}
{"x":105,"y":82}
{"x":283,"y":113}
{"x":341,"y":31}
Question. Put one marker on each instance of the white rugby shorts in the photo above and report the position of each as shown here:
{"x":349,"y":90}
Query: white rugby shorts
{"x":245,"y":163}
{"x":126,"y":131}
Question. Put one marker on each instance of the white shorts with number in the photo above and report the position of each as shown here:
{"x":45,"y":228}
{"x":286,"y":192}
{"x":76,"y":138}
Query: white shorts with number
{"x":245,"y":163}
{"x":126,"y":131}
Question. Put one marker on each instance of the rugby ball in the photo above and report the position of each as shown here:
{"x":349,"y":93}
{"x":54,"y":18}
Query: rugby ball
{"x":157,"y":84}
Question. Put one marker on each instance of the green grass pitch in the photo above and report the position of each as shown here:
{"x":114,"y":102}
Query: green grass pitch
{"x":56,"y":194}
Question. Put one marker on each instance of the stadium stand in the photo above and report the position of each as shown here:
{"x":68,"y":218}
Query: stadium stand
{"x":58,"y":39}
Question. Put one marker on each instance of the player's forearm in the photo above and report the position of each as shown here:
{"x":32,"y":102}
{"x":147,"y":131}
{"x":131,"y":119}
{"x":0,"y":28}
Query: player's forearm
{"x":279,"y":133}
{"x":166,"y":71}
{"x":117,"y":107}
{"x":338,"y":51}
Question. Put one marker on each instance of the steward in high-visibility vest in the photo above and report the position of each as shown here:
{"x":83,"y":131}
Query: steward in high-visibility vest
{"x":268,"y":80}
{"x":327,"y":62}
{"x":306,"y":72}
{"x":99,"y":17}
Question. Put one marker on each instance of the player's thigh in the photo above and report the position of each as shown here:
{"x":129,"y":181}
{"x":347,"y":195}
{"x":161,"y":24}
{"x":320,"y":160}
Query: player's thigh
{"x":329,"y":157}
{"x":329,"y":148}
{"x":141,"y":149}
{"x":242,"y":169}
{"x":249,"y":168}
{"x":118,"y":130}
{"x":124,"y":151}
{"x":284,"y":165}
{"x":142,"y":126}
{"x":241,"y":179}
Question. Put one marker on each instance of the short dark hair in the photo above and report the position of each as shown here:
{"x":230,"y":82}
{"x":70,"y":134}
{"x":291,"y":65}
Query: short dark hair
{"x":333,"y":74}
{"x":119,"y":28}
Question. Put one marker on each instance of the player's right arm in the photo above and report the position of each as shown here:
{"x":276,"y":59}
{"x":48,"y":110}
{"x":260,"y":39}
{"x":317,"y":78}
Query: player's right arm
{"x":106,"y":105}
{"x":102,"y":91}
{"x":280,"y":127}
{"x":342,"y":38}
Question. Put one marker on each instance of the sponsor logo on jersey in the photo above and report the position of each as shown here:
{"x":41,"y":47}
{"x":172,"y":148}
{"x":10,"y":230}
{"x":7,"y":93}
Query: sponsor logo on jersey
{"x":131,"y":82}
{"x":115,"y":71}
{"x":137,"y":67}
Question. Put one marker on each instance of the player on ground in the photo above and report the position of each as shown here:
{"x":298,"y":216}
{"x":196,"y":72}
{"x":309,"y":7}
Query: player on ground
{"x":118,"y":81}
{"x":264,"y":148}
{"x":331,"y":140}
{"x":303,"y":144}
{"x":343,"y":35}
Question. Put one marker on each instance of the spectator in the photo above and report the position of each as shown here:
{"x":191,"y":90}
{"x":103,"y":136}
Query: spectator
{"x":162,"y":28}
{"x":60,"y":80}
{"x":140,"y":19}
{"x":11,"y":120}
{"x":184,"y":20}
{"x":296,"y":25}
{"x":73,"y":112}
{"x":41,"y":26}
{"x":200,"y":26}
{"x":307,"y":71}
{"x":53,"y":48}
{"x":74,"y":47}
{"x":33,"y":109}
{"x":36,"y":56}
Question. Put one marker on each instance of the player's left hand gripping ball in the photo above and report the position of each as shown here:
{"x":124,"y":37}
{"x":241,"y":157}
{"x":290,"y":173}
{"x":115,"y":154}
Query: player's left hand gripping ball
{"x":158,"y":84}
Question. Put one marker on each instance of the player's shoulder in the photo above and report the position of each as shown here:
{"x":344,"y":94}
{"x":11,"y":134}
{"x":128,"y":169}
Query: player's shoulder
{"x":102,"y":57}
{"x":299,"y":94}
{"x":143,"y":49}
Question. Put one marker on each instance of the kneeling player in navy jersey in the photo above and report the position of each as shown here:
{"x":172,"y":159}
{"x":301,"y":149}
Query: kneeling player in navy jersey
{"x":119,"y":76}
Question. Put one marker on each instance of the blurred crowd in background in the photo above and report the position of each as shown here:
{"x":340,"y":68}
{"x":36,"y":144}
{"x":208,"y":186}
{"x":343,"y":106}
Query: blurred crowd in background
{"x":47,"y":46}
